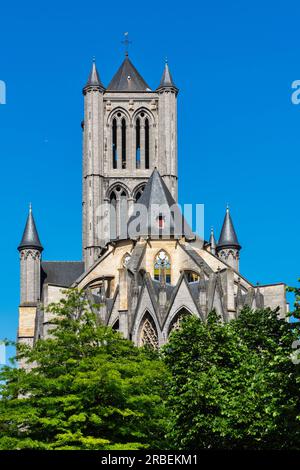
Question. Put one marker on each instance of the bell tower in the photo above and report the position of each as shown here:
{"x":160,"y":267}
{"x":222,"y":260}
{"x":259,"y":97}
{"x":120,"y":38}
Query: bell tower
{"x":128,"y":130}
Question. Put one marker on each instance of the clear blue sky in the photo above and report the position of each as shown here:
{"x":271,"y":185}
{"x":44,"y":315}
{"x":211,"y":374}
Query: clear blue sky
{"x":234,"y":63}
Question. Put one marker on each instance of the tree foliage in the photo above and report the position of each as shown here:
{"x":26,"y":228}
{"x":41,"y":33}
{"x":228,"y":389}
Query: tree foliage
{"x":88,"y":388}
{"x":214,"y":385}
{"x":233,"y":385}
{"x":296,"y":292}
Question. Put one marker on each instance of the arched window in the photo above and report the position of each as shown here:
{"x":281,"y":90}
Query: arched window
{"x":138,"y":143}
{"x":118,"y":213}
{"x":123,"y":143}
{"x":113,"y":216}
{"x":162,"y":267}
{"x":148,"y":332}
{"x":116,"y":325}
{"x":143,"y":137}
{"x":126,"y":259}
{"x":114,"y":144}
{"x":138,"y":193}
{"x":175,"y":324}
{"x":119,"y":140}
{"x":147,"y":151}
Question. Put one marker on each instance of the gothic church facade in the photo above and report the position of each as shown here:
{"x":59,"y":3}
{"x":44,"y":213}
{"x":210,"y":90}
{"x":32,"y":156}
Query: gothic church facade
{"x":144,"y":283}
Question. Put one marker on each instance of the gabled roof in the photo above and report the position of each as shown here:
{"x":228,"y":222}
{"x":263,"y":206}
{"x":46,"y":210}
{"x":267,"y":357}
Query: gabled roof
{"x":228,"y":236}
{"x":30,"y":238}
{"x":127,"y":79}
{"x":159,"y":204}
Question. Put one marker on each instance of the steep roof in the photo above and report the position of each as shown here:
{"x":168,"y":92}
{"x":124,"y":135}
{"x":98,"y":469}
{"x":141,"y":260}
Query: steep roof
{"x":127,"y":79}
{"x":159,"y":204}
{"x":30,"y":238}
{"x":228,"y":236}
{"x":166,"y":79}
{"x":94,"y":78}
{"x":212,"y":240}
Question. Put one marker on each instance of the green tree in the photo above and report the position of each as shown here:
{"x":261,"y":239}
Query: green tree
{"x":233,"y":385}
{"x":88,"y":388}
{"x":296,"y":292}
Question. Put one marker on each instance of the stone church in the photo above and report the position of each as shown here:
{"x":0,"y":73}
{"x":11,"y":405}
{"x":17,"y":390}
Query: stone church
{"x":144,"y":280}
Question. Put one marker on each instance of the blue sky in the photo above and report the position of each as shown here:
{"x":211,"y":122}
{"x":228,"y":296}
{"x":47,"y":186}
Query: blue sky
{"x":234,"y":63}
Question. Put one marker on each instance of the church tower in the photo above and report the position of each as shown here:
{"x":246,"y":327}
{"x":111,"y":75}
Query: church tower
{"x":228,"y":248}
{"x":30,"y":249}
{"x":128,"y":130}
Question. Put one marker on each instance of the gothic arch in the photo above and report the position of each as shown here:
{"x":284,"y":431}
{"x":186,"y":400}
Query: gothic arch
{"x":114,"y":187}
{"x":125,"y":259}
{"x":173,"y":322}
{"x":114,"y":112}
{"x":138,"y":191}
{"x":118,"y":210}
{"x":119,"y":124}
{"x":164,"y":261}
{"x":143,"y":110}
{"x":148,"y":331}
{"x":143,"y":130}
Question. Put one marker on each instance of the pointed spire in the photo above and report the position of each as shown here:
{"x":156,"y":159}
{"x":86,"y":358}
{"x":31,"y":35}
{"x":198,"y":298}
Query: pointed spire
{"x":228,"y":237}
{"x":94,"y":78}
{"x":30,"y":238}
{"x":212,"y":242}
{"x":166,"y":79}
{"x":170,"y":221}
{"x":127,"y":78}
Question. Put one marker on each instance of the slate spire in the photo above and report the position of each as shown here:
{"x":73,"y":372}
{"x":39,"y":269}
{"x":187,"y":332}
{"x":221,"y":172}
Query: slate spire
{"x":228,"y":237}
{"x":30,"y":238}
{"x":127,"y":78}
{"x":163,"y":214}
{"x":212,"y":242}
{"x":166,"y":79}
{"x":94,"y":78}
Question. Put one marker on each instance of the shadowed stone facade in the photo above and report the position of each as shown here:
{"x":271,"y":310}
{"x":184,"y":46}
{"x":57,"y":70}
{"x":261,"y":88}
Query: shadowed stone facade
{"x":143,"y":284}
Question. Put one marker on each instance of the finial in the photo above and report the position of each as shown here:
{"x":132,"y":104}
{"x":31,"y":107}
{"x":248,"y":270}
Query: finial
{"x":30,"y":207}
{"x":227,"y":207}
{"x":211,"y":229}
{"x":126,"y":43}
{"x":94,"y":59}
{"x":166,"y":60}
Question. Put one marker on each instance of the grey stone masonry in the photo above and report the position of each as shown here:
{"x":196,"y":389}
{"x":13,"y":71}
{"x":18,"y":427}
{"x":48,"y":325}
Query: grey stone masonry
{"x":126,"y":134}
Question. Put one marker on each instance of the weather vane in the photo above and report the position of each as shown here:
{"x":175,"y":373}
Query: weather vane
{"x":126,"y":43}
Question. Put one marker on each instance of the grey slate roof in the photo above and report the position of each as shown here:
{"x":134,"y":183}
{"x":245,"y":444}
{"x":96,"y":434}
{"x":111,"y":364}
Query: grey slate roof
{"x":166,"y":79}
{"x":228,"y":236}
{"x":135,"y":258}
{"x":30,"y":238}
{"x":157,"y":286}
{"x":157,"y":195}
{"x":127,"y":79}
{"x":61,"y":273}
{"x":94,"y":78}
{"x":212,"y":240}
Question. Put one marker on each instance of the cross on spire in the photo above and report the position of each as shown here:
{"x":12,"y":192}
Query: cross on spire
{"x":126,"y":43}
